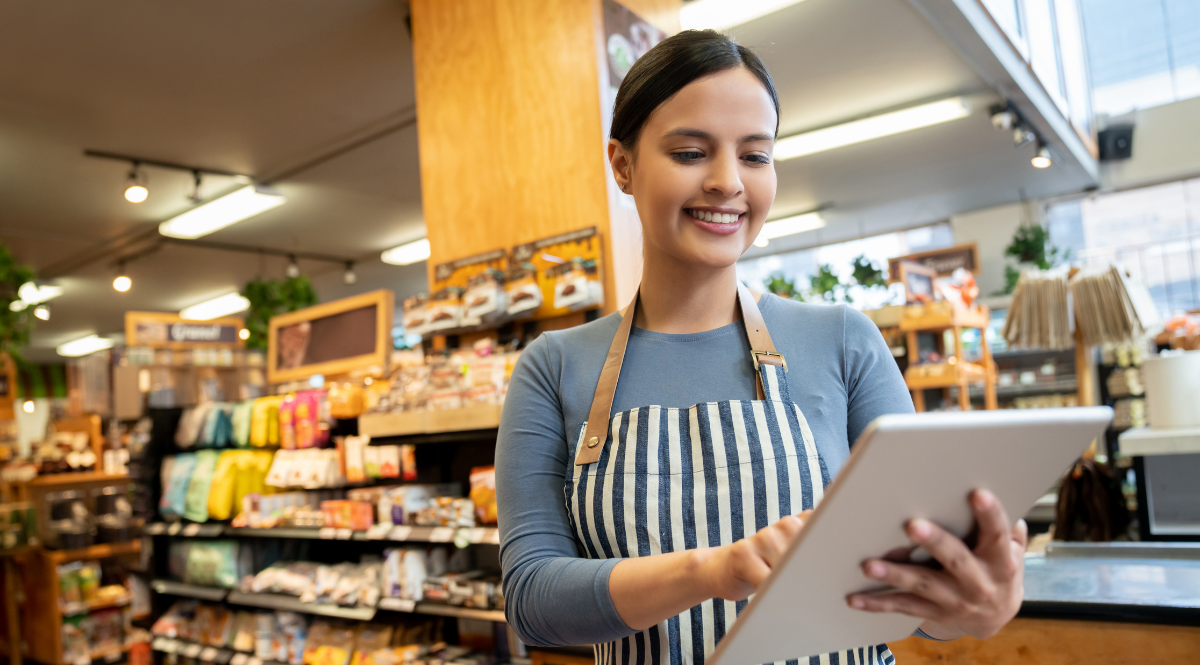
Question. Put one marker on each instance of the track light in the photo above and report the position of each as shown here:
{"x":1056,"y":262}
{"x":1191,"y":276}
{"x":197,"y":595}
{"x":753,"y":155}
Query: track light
{"x":135,"y":189}
{"x":293,"y":268}
{"x":1042,"y":159}
{"x":1022,"y":137}
{"x":42,"y":312}
{"x":28,"y":406}
{"x":408,"y":253}
{"x":348,"y":277}
{"x":1004,"y":120}
{"x":122,"y":283}
{"x":244,"y":334}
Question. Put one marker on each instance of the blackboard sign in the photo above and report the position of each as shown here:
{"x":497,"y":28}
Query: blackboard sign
{"x":333,"y":338}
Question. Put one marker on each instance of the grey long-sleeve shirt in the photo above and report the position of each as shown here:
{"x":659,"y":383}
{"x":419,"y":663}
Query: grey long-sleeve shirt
{"x":840,"y":372}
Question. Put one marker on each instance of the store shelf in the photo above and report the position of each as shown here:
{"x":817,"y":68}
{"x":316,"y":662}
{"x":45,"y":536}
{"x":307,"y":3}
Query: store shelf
{"x":205,"y":653}
{"x":410,"y":423}
{"x":460,"y":612}
{"x":103,"y":551}
{"x":57,"y":479}
{"x":73,"y":609}
{"x":172,"y":588}
{"x":943,"y":375}
{"x":247,"y":532}
{"x":395,"y":534}
{"x":274,"y":601}
{"x":917,"y":319}
{"x":1141,"y":441}
{"x":1019,"y":390}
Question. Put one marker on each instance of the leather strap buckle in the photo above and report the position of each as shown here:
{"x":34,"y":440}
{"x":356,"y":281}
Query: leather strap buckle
{"x":755,"y":354}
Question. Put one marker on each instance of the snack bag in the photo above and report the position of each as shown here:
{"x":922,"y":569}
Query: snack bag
{"x":346,"y":400}
{"x":483,"y":493}
{"x":522,"y":290}
{"x":484,"y":301}
{"x":576,"y":285}
{"x":240,"y":423}
{"x":220,"y":493}
{"x":445,"y":309}
{"x":264,"y":422}
{"x":191,"y":425}
{"x":173,"y":500}
{"x":196,"y":499}
{"x":287,"y":423}
{"x":310,"y":419}
{"x":416,"y":315}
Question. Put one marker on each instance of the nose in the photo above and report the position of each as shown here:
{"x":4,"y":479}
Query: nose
{"x":723,"y":177}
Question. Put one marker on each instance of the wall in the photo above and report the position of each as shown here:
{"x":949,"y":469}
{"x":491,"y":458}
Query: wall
{"x":991,"y":230}
{"x":1166,"y":146}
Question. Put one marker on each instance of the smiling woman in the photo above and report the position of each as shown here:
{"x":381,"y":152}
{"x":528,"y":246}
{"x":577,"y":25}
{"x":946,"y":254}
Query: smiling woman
{"x":685,"y":444}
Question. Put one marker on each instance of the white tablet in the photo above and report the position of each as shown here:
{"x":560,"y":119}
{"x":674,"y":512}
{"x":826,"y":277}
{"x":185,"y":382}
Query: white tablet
{"x":902,"y":467}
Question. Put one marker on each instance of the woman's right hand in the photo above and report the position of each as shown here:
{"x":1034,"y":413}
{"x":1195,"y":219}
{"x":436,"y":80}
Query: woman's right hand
{"x":735,"y":571}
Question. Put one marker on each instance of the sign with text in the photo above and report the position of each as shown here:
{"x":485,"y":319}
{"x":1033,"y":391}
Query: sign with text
{"x":169,"y":330}
{"x":943,"y":261}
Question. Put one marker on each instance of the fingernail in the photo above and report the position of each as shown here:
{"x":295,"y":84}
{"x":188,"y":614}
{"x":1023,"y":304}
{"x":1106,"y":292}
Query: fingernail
{"x":920,"y":529}
{"x":857,"y":603}
{"x":984,"y":498}
{"x":875,"y":569}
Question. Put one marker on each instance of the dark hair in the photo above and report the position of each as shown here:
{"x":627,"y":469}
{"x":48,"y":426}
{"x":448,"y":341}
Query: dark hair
{"x":665,"y":69}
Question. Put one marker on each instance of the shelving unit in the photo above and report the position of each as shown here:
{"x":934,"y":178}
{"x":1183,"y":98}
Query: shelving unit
{"x":954,"y":371}
{"x":408,"y":423}
{"x":397,"y":534}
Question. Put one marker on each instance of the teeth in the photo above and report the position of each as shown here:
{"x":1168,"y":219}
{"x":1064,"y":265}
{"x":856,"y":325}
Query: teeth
{"x":715,"y":217}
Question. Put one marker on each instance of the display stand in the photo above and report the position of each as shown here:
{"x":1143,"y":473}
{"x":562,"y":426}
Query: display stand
{"x":954,"y":371}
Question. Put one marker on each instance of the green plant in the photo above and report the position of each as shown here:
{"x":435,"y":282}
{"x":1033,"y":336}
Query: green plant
{"x":827,"y":286}
{"x":1031,"y":246}
{"x":783,"y":287}
{"x":866,"y":273}
{"x":15,"y":326}
{"x":269,"y":297}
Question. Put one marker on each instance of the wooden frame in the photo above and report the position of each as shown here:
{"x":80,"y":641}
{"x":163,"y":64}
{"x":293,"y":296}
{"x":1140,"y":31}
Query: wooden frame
{"x":132,"y":319}
{"x":909,"y":270}
{"x":921,"y":257}
{"x":377,"y":361}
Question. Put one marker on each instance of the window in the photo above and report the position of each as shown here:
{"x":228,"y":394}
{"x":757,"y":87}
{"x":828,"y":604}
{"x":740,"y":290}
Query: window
{"x":1153,"y":232}
{"x":1141,"y":53}
{"x":802,"y":264}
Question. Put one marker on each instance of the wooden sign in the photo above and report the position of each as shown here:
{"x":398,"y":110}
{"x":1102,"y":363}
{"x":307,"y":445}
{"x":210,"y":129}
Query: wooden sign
{"x":942,"y":261}
{"x":335,"y":338}
{"x":159,"y":329}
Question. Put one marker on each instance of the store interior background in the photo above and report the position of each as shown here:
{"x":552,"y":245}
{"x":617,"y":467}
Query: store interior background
{"x":320,"y":102}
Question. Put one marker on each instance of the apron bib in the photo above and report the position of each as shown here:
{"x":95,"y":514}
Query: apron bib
{"x":653,"y":480}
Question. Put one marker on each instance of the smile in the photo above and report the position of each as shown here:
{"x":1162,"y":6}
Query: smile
{"x":713,"y":217}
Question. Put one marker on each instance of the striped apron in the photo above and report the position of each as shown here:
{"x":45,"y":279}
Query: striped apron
{"x":659,"y":480}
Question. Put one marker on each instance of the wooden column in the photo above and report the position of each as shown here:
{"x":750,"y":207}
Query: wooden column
{"x":511,"y":126}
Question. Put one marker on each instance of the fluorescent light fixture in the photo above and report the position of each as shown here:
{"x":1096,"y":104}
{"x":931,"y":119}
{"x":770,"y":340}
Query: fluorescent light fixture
{"x":787,"y":226}
{"x":83,"y":346}
{"x":722,"y":14}
{"x":217,"y":214}
{"x":411,"y":252}
{"x":217,"y":307}
{"x":871,"y":128}
{"x":32,"y":294}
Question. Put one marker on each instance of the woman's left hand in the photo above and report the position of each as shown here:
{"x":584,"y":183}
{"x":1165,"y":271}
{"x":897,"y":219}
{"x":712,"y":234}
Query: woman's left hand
{"x":976,"y":592}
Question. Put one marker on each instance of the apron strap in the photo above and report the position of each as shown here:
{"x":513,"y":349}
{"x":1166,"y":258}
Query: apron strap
{"x":762,"y":352}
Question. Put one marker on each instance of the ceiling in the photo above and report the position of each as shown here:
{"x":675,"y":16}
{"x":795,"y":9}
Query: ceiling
{"x":317,"y":99}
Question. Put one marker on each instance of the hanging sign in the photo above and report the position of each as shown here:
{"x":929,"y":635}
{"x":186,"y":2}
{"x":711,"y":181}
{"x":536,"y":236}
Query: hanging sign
{"x":943,"y":261}
{"x":158,"y":329}
{"x":333,"y":338}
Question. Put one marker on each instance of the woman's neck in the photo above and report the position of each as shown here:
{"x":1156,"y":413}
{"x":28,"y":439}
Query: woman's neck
{"x":680,"y":298}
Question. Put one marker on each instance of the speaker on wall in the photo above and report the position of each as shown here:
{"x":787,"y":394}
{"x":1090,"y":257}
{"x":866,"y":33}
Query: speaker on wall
{"x":1116,"y":142}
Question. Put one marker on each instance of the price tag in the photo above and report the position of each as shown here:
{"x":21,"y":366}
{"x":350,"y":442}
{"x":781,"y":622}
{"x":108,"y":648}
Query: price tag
{"x":442,"y":534}
{"x":209,"y":654}
{"x":345,"y":534}
{"x":174,"y":529}
{"x":398,"y":604}
{"x":156,"y":528}
{"x":379,"y":531}
{"x":238,"y":659}
{"x":400,"y":533}
{"x":478,"y":534}
{"x":158,"y":644}
{"x":254,"y":661}
{"x":191,"y":530}
{"x":113,"y":657}
{"x":192,"y":650}
{"x":327,"y":533}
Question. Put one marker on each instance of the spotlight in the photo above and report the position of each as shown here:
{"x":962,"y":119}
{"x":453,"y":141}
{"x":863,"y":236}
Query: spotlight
{"x":42,"y":312}
{"x":122,"y":283}
{"x":28,"y":406}
{"x":1004,"y":120}
{"x":244,"y":334}
{"x":135,"y":190}
{"x":349,"y":277}
{"x":1042,"y":159}
{"x":1023,"y":137}
{"x":293,"y":269}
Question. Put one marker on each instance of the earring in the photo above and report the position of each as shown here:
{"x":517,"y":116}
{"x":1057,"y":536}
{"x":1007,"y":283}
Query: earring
{"x":625,"y":188}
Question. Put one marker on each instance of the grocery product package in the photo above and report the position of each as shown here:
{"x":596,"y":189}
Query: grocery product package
{"x":220,"y":491}
{"x":576,"y":285}
{"x":287,"y":428}
{"x":196,"y":499}
{"x":264,"y":422}
{"x":212,"y":563}
{"x":173,"y":501}
{"x":217,"y":431}
{"x":191,"y":425}
{"x":445,"y":309}
{"x":416,"y":315}
{"x":239,"y":423}
{"x":484,"y":301}
{"x":373,"y":646}
{"x":310,"y":418}
{"x":483,"y":493}
{"x":346,"y":400}
{"x":522,"y":290}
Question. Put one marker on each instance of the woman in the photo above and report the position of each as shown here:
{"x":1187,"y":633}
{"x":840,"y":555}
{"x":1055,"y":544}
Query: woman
{"x":681,"y":489}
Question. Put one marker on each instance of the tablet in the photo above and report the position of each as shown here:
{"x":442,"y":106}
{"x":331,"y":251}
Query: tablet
{"x":902,"y":467}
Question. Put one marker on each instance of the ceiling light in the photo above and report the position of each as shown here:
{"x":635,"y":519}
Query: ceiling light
{"x":1023,"y":137}
{"x":293,"y":268}
{"x":28,"y":406}
{"x":31,"y":293}
{"x":408,"y":253}
{"x":42,"y":312}
{"x":83,"y":346}
{"x":787,"y":226}
{"x":348,"y":277}
{"x":217,"y":214}
{"x":1004,"y":119}
{"x":722,"y":14}
{"x":122,"y":282}
{"x":244,"y":334}
{"x":1042,"y":159}
{"x":135,"y":190}
{"x":217,"y":307}
{"x":871,"y":128}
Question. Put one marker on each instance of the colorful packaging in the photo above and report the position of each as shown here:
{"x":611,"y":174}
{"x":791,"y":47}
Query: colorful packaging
{"x":371,"y":462}
{"x":173,"y":502}
{"x":311,"y":419}
{"x":416,"y":315}
{"x":196,"y":499}
{"x":445,"y":309}
{"x":346,"y":400}
{"x":352,"y":448}
{"x":287,"y":424}
{"x":408,"y":462}
{"x":389,"y":461}
{"x":191,"y":425}
{"x":484,"y":301}
{"x":522,"y":290}
{"x":483,"y":493}
{"x":240,"y":423}
{"x":576,"y":285}
{"x":264,"y":422}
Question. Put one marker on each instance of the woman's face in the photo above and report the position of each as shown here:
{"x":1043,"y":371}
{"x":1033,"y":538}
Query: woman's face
{"x":702,"y":173}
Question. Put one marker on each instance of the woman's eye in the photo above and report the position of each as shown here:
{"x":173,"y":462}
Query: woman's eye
{"x":758,"y":159}
{"x":689,"y":156}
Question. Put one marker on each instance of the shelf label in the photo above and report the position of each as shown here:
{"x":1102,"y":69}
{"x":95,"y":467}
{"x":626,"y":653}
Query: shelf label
{"x":192,"y":650}
{"x":254,"y":661}
{"x":345,"y":534}
{"x":174,"y":529}
{"x":400,"y":532}
{"x":191,"y":530}
{"x":478,"y":534}
{"x":209,"y":654}
{"x":113,"y":657}
{"x":379,"y":531}
{"x":238,"y":659}
{"x":327,"y":533}
{"x":398,"y":604}
{"x":156,"y":528}
{"x":442,"y":534}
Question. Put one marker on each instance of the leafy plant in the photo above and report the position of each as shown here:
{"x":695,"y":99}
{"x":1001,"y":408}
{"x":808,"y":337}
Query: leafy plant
{"x":827,"y":286}
{"x":269,"y":297}
{"x":867,"y":274}
{"x":15,"y":326}
{"x":783,"y":287}
{"x":1031,"y":246}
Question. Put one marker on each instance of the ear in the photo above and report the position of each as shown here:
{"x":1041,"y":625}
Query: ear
{"x":622,"y":164}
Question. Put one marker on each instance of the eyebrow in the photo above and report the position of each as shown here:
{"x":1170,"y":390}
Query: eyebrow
{"x":701,"y":134}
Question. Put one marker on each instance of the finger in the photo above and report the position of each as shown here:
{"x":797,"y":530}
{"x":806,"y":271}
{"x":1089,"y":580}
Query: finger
{"x":995,"y":529}
{"x":753,"y":570}
{"x":1020,"y":533}
{"x":917,"y":580}
{"x":949,"y":551}
{"x":904,"y":603}
{"x":771,"y":542}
